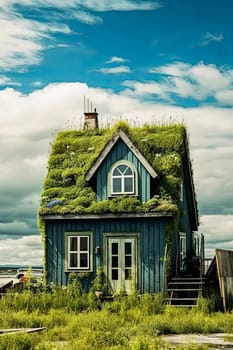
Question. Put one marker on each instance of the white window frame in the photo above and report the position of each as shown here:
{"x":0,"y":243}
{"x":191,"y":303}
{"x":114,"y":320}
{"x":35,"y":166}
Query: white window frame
{"x":122,"y":178}
{"x":182,"y":251}
{"x":78,"y":252}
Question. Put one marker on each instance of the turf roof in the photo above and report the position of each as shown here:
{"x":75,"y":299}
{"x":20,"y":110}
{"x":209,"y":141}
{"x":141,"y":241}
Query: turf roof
{"x":65,"y":190}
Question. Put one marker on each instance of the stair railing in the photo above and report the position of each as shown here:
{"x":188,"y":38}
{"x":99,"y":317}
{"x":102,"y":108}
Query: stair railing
{"x":202,"y":259}
{"x":165,"y":270}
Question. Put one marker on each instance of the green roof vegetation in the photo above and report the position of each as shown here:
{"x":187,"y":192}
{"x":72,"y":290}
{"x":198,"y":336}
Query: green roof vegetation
{"x":74,"y":152}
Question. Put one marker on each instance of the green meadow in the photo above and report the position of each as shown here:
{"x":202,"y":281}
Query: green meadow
{"x":74,"y":319}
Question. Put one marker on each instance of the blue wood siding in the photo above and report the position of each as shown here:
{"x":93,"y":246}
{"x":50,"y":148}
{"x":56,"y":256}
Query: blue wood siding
{"x":184,"y":226}
{"x":151,"y":245}
{"x":185,"y":219}
{"x":119,"y":152}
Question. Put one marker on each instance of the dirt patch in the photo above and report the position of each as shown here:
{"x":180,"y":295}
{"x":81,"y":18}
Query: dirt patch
{"x":220,"y":339}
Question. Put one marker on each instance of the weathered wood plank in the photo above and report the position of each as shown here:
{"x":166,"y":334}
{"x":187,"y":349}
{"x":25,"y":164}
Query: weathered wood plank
{"x":224,"y":261}
{"x":5,"y":285}
{"x":20,"y":330}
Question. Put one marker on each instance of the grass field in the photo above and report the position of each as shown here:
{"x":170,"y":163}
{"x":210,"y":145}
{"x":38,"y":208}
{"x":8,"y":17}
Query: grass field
{"x":76,"y":320}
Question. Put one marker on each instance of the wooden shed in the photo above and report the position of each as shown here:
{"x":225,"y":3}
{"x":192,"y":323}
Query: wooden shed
{"x":121,"y":199}
{"x":220,"y":271}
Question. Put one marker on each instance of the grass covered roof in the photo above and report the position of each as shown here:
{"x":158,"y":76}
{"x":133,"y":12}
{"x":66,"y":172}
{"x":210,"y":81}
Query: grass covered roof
{"x":65,"y":190}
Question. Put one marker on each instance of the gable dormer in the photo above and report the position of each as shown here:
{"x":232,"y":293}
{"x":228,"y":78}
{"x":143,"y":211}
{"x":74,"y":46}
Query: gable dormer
{"x":121,"y":169}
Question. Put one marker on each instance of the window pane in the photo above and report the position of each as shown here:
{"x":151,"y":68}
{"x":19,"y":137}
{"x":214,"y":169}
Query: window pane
{"x":114,"y":261}
{"x":122,"y":168}
{"x":73,"y":260}
{"x":83,"y":243}
{"x":128,"y":261}
{"x":116,"y":185}
{"x":114,"y":274}
{"x":84,"y":260}
{"x":114,"y":248}
{"x":116,"y":172}
{"x":73,"y":244}
{"x":128,"y":274}
{"x":128,"y":171}
{"x":128,"y":248}
{"x":128,"y":185}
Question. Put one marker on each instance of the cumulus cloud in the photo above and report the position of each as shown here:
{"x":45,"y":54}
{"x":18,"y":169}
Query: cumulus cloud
{"x":179,"y":79}
{"x":23,"y":40}
{"x":150,"y":88}
{"x":218,"y":232}
{"x":25,"y":250}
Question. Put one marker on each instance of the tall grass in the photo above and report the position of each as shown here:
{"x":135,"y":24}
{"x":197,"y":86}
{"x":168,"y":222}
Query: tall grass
{"x":77,"y":320}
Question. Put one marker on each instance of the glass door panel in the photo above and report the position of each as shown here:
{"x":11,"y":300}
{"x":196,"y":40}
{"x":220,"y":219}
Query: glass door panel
{"x":122,"y":264}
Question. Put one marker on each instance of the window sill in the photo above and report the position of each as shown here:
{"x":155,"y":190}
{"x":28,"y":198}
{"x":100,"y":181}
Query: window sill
{"x":122,"y":195}
{"x":78,"y":270}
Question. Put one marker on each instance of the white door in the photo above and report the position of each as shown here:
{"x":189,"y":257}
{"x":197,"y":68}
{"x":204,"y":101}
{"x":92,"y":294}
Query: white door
{"x":122,"y":264}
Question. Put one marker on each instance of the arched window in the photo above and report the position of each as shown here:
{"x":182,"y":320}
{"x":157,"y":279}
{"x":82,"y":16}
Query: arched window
{"x":122,"y":179}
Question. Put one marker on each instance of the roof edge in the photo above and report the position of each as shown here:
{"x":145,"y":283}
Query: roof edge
{"x":120,"y":134}
{"x":106,"y":216}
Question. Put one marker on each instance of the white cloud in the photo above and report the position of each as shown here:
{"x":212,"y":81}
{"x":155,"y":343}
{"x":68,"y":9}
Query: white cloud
{"x":116,"y":59}
{"x":120,"y":5}
{"x":94,"y":5}
{"x":137,"y":89}
{"x":7,"y":81}
{"x":37,"y":83}
{"x":87,"y":17}
{"x":27,"y":250}
{"x":22,"y":41}
{"x":225,"y":97}
{"x":209,"y":77}
{"x":115,"y":70}
{"x":209,"y":38}
{"x":29,"y":123}
{"x":177,"y":69}
{"x":218,"y":232}
{"x":198,"y":82}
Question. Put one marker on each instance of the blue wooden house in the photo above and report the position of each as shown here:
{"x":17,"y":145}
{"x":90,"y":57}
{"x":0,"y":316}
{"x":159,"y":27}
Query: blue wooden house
{"x":122,"y":199}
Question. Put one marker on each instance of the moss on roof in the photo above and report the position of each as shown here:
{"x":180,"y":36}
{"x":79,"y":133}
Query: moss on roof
{"x":74,"y":152}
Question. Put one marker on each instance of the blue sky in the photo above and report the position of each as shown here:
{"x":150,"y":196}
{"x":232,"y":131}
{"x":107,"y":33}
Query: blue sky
{"x":110,"y":46}
{"x":139,"y":60}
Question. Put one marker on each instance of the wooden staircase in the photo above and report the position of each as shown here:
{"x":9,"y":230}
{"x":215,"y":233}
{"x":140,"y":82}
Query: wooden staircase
{"x":184,"y":291}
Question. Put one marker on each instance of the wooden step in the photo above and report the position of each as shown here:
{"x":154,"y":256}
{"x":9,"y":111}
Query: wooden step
{"x":188,"y":278}
{"x":184,"y":289}
{"x":179,"y":299}
{"x":188,"y":305}
{"x":185,"y":282}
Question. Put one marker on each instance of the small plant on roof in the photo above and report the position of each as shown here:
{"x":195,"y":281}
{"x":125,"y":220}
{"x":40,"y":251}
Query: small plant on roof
{"x":121,"y":125}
